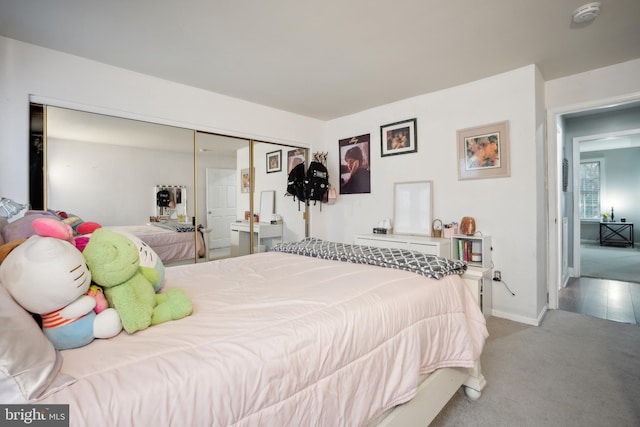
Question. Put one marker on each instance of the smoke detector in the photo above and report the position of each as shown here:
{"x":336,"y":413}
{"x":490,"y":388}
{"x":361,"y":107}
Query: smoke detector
{"x":586,"y":13}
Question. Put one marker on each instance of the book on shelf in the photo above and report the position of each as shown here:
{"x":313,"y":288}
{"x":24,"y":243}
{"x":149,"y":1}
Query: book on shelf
{"x":468,"y":248}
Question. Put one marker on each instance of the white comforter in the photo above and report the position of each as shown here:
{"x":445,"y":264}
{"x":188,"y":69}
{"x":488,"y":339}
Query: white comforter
{"x":171,"y":246}
{"x":277,"y":340}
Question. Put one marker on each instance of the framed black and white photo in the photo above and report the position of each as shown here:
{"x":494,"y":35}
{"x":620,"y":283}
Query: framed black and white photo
{"x":399,"y":138}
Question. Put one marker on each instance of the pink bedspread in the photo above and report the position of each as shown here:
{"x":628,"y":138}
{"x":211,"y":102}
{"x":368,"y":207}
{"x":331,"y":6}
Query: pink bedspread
{"x":171,"y":246}
{"x":277,"y":340}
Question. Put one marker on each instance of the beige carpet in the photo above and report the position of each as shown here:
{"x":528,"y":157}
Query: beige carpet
{"x":573,"y":370}
{"x":610,"y":262}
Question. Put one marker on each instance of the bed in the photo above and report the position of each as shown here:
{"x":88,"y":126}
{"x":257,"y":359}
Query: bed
{"x":174,"y":243}
{"x":278,"y":338}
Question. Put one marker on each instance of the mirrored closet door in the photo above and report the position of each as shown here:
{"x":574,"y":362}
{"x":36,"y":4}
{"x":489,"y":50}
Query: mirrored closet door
{"x":106,"y":169}
{"x":224,"y":196}
{"x":117,"y":172}
{"x":244,"y":209}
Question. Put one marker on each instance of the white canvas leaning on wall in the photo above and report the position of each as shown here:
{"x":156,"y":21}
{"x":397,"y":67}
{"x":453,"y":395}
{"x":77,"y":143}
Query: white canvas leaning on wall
{"x":413,"y":208}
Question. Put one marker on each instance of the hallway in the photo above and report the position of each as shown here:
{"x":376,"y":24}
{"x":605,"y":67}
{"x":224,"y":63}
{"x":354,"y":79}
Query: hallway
{"x":603,"y":298}
{"x":609,"y":287}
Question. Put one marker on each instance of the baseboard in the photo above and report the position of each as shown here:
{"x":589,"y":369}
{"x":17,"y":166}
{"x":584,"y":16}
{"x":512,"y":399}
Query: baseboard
{"x":519,"y":319}
{"x":566,"y":278}
{"x":595,"y":241}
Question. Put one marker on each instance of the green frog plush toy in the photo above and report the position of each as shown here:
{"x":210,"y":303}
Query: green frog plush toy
{"x":114,"y":262}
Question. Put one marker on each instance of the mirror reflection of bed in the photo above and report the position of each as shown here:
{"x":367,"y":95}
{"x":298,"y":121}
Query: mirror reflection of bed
{"x":106,"y":169}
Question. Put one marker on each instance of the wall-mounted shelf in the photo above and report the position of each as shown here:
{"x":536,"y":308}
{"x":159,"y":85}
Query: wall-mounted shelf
{"x":475,"y":250}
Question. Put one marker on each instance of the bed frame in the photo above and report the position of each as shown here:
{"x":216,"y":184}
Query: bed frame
{"x":438,"y":388}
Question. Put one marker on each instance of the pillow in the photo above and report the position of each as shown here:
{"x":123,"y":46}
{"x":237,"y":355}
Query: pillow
{"x":29,"y":365}
{"x":22,"y":228}
{"x":10,"y":209}
{"x":3,"y":224}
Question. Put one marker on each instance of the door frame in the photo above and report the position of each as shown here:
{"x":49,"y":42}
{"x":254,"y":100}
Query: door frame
{"x":555,"y":143}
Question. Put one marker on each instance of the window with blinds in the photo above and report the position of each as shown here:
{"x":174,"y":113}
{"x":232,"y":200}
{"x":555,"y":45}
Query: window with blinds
{"x":590,"y":174}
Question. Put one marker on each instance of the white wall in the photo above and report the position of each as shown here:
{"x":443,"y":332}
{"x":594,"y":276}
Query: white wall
{"x":617,"y":81}
{"x":620,"y":189}
{"x":77,"y":168}
{"x":508,"y":209}
{"x":31,"y":70}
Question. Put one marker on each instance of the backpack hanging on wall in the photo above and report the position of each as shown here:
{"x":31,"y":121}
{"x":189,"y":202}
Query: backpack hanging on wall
{"x":316,"y":182}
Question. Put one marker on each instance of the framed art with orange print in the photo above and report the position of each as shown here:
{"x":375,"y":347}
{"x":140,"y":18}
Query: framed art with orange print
{"x":399,"y":138}
{"x":483,"y":151}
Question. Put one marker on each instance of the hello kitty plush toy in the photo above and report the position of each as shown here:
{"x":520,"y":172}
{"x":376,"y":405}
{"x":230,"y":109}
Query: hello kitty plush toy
{"x":49,"y":276}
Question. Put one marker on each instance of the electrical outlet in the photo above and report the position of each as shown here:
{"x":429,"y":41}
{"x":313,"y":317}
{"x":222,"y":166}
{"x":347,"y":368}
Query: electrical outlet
{"x":497,"y":276}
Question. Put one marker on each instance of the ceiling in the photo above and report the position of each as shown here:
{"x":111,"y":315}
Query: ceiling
{"x":330,"y":58}
{"x":611,"y":142}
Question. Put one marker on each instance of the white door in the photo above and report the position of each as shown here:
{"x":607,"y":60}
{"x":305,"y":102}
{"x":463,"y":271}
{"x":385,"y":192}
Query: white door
{"x":221,"y":205}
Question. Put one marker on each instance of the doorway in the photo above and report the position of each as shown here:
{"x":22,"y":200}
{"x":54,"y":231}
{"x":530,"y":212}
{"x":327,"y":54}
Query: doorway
{"x":613,"y":157}
{"x":221,"y":205}
{"x":561,"y":202}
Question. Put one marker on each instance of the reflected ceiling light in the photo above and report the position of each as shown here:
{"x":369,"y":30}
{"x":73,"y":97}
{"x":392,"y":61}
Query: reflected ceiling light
{"x":586,"y":13}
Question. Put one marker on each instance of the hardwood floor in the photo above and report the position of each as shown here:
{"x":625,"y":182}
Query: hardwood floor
{"x":607,"y":299}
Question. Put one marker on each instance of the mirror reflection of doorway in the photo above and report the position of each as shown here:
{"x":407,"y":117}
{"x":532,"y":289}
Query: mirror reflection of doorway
{"x":221,"y":209}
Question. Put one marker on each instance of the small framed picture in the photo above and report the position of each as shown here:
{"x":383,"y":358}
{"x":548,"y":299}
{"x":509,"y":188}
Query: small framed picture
{"x":245,"y":181}
{"x":399,"y":138}
{"x":274,"y":161}
{"x":483,"y":151}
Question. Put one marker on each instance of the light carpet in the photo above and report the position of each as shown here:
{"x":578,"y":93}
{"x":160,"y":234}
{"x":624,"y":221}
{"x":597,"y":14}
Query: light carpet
{"x":610,"y":262}
{"x":572,"y":370}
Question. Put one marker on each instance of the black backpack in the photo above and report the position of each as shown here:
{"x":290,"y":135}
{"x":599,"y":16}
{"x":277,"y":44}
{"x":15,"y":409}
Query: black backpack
{"x":295,"y":183}
{"x":163,"y":198}
{"x":317,"y":182}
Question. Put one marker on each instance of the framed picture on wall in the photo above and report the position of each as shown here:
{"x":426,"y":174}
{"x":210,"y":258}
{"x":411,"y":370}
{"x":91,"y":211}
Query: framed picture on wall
{"x":399,"y":138}
{"x":355,"y":166}
{"x":274,"y":161}
{"x":483,"y":151}
{"x":245,"y":180}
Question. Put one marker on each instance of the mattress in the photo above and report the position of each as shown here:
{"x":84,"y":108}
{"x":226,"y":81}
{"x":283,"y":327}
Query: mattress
{"x":278,"y":339}
{"x":171,"y":246}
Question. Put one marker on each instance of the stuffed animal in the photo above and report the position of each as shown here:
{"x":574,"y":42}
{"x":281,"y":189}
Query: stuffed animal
{"x":52,"y":227}
{"x":96,"y":292}
{"x":6,"y":249}
{"x":45,"y":226}
{"x":151,"y":265}
{"x":49,"y":277}
{"x":114,"y":262}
